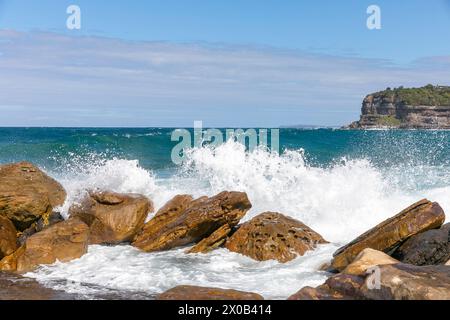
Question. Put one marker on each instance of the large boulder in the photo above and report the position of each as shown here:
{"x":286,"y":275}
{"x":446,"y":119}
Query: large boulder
{"x":64,"y":241}
{"x":183,"y":221}
{"x":27,"y":194}
{"x":420,"y":217}
{"x":273,"y":236}
{"x":202,"y":293}
{"x":8,"y":237}
{"x":429,"y":248}
{"x":112,"y":217}
{"x":407,"y":282}
{"x":367,"y":259}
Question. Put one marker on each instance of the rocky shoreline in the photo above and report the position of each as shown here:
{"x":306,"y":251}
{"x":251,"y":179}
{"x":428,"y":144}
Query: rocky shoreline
{"x":404,"y":257}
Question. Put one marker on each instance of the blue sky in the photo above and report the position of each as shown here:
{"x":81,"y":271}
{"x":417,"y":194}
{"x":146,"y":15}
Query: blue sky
{"x":228,"y":63}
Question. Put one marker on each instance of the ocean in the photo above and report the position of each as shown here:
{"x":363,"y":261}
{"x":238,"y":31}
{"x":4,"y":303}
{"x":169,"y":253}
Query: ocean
{"x":338,"y":182}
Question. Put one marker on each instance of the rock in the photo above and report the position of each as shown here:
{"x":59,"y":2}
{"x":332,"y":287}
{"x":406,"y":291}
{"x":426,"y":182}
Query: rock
{"x":274,"y":236}
{"x":64,"y":241}
{"x":112,"y":217}
{"x":338,"y":287}
{"x":8,"y":237}
{"x":27,"y":194}
{"x":323,"y":292}
{"x":215,"y":240}
{"x":448,"y":263}
{"x":428,"y":248}
{"x":183,"y":221}
{"x":420,"y":217}
{"x":201,"y":293}
{"x":43,"y":223}
{"x":408,"y":282}
{"x":367,"y":259}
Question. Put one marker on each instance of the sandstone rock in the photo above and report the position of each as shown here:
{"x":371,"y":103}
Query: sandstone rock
{"x":429,"y":248}
{"x":201,"y":293}
{"x":272,"y":235}
{"x":63,"y":241}
{"x":408,"y":282}
{"x":366,"y":259}
{"x":448,"y":263}
{"x":26,"y":194}
{"x":112,"y":218}
{"x":338,"y":287}
{"x":8,"y":239}
{"x":43,"y":223}
{"x":215,"y":240}
{"x":323,"y":292}
{"x":421,"y":216}
{"x":183,"y":221}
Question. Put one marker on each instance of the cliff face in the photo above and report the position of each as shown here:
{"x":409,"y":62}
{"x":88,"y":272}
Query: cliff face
{"x":404,"y":108}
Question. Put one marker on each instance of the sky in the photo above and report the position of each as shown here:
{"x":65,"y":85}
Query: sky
{"x":234,"y":63}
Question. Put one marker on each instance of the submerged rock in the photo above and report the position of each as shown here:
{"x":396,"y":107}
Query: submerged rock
{"x":272,"y":235}
{"x":429,"y":248}
{"x":421,"y":216}
{"x":112,"y":217}
{"x":8,"y":238}
{"x":183,"y":221}
{"x":366,"y":259}
{"x":27,"y":194}
{"x":202,"y":293}
{"x":63,"y":241}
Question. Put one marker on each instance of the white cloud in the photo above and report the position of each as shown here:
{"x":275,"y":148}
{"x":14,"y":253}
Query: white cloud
{"x":101,"y":81}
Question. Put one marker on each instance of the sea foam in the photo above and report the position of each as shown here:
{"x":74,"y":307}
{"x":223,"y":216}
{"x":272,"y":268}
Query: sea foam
{"x":339,"y":201}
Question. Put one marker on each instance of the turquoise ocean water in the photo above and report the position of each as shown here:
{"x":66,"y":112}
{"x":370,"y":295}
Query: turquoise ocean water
{"x":339,"y":182}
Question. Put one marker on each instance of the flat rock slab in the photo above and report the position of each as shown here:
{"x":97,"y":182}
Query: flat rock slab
{"x":202,"y":293}
{"x":420,"y":217}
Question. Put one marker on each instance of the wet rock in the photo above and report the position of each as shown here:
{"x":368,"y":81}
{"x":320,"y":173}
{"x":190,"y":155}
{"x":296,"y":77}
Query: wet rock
{"x":272,"y":235}
{"x":408,"y":282}
{"x":41,"y":224}
{"x":27,"y":194}
{"x":428,"y":248}
{"x":64,"y":241}
{"x":366,"y":259}
{"x":202,"y":293}
{"x":338,"y":287}
{"x":215,"y":240}
{"x":183,"y":221}
{"x":323,"y":292}
{"x":112,"y":217}
{"x":8,"y":239}
{"x":420,"y":217}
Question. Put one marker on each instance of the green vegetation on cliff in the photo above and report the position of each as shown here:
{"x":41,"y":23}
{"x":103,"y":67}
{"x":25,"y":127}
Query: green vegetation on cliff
{"x":425,"y":96}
